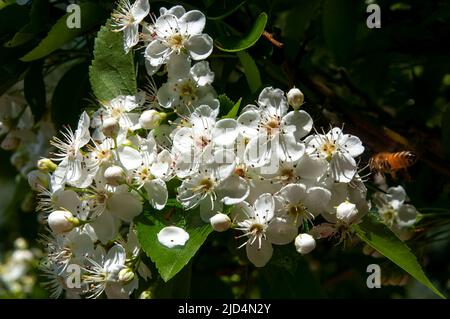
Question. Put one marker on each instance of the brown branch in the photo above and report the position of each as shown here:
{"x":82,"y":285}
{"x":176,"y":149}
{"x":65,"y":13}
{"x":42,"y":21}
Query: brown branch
{"x":269,"y":36}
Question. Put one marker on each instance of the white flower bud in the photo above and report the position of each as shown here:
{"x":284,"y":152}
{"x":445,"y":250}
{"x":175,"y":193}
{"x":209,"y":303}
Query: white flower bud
{"x":295,"y":98}
{"x":305,"y":243}
{"x":151,"y":119}
{"x":46,"y":165}
{"x":110,"y":127}
{"x":220,"y":222}
{"x":346,"y":212}
{"x":10,"y":142}
{"x":114,"y":175}
{"x":146,"y":294}
{"x":62,"y":221}
{"x":37,"y":179}
{"x":126,"y":275}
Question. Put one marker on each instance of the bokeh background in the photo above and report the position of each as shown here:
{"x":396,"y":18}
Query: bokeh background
{"x":388,"y":85}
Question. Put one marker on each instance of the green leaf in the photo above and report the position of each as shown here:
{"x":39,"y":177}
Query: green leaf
{"x":38,"y":19}
{"x":60,"y":34}
{"x":226,"y":104}
{"x":170,"y":261}
{"x":112,"y":72}
{"x":234,"y":111}
{"x":239,"y":43}
{"x":69,"y":95}
{"x":381,"y":238}
{"x":34,"y":89}
{"x":250,"y":70}
{"x":223,"y":8}
{"x":340,"y":23}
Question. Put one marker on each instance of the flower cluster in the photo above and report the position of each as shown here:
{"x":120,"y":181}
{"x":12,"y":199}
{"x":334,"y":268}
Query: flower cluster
{"x":265,"y":173}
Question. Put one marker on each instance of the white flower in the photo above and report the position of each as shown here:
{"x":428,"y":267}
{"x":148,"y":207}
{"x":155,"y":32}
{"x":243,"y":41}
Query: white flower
{"x":339,"y":149}
{"x":114,"y":175}
{"x":305,"y":243}
{"x":119,"y":109}
{"x":393,"y":210}
{"x":150,"y":119}
{"x":175,"y":34}
{"x":172,"y":236}
{"x":271,"y":131}
{"x":187,"y":87}
{"x":127,"y":18}
{"x":71,"y":166}
{"x":103,"y":274}
{"x":254,"y":221}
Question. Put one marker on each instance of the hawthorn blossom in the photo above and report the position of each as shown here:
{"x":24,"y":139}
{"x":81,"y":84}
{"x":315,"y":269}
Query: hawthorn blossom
{"x":272,"y":130}
{"x":127,"y":18}
{"x":176,"y":34}
{"x":339,"y":150}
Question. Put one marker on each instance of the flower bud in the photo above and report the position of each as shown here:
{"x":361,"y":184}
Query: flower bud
{"x":46,"y":165}
{"x":37,"y":179}
{"x":151,"y":119}
{"x":110,"y":127}
{"x":114,"y":175}
{"x":10,"y":143}
{"x":220,"y":222}
{"x":346,"y":212}
{"x":62,"y":221}
{"x":146,"y":294}
{"x":295,"y":98}
{"x":305,"y":243}
{"x":126,"y":275}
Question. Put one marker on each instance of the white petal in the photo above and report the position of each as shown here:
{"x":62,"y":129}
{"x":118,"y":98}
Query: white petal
{"x":249,"y":122}
{"x":178,"y":66}
{"x":289,"y":149}
{"x":407,"y":215}
{"x":165,"y":25}
{"x":317,"y":199}
{"x":292,"y":193}
{"x":298,"y":123}
{"x":106,"y":227}
{"x":201,"y":73}
{"x":157,"y":193}
{"x":82,"y":135}
{"x":225,"y":132}
{"x":172,"y":236}
{"x":140,"y":10}
{"x":177,"y":11}
{"x":115,"y":256}
{"x":129,"y":157}
{"x":233,"y":190}
{"x":258,"y":151}
{"x":199,"y":46}
{"x":274,"y":101}
{"x":130,"y":37}
{"x":124,"y":206}
{"x":343,"y":167}
{"x":396,"y":196}
{"x":264,"y":207}
{"x":281,"y":232}
{"x":166,"y":96}
{"x":195,"y":21}
{"x":311,"y":167}
{"x":351,"y":144}
{"x":259,"y":256}
{"x":156,"y":53}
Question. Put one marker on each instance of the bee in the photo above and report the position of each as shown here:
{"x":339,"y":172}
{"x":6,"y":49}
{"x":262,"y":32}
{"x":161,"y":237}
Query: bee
{"x":391,"y":163}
